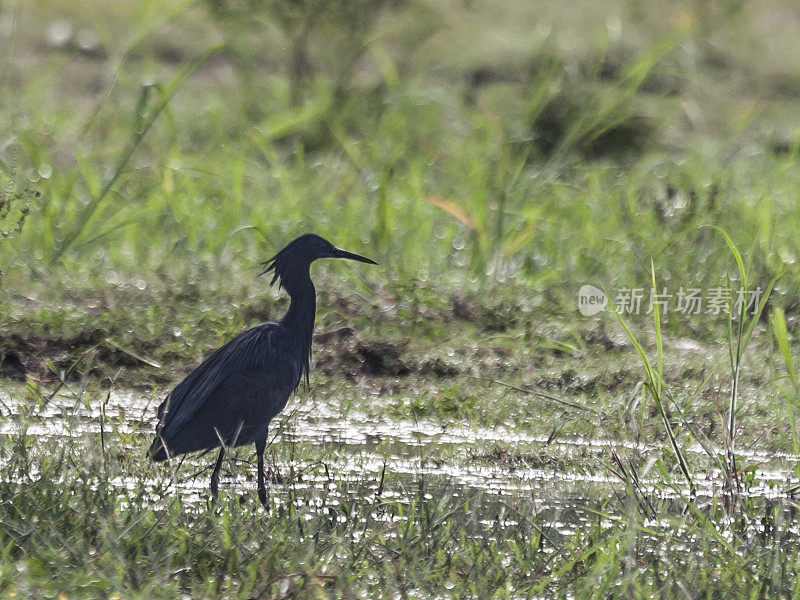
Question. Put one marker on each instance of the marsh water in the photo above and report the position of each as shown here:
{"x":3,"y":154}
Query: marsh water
{"x":320,"y":456}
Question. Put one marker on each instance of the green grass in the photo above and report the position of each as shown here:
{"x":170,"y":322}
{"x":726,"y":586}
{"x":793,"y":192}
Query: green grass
{"x":492,"y":157}
{"x":70,"y":527}
{"x":227,"y":188}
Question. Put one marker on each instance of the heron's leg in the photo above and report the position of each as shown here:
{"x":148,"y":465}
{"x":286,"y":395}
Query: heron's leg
{"x":262,"y":490}
{"x":215,"y":474}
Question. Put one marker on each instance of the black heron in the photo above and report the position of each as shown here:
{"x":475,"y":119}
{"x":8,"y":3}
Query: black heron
{"x":230,"y":399}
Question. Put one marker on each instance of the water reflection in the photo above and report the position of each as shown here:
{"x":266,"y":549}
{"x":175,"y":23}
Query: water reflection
{"x":327,"y":460}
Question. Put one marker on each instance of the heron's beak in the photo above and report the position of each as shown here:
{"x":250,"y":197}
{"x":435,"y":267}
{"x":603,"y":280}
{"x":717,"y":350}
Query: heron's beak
{"x":339,"y":253}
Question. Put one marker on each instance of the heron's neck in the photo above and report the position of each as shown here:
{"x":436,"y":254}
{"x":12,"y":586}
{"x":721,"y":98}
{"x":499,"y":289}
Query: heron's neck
{"x":299,"y":319}
{"x":302,"y":308}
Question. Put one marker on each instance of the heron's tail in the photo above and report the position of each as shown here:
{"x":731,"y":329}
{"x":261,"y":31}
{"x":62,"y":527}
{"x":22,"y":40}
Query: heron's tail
{"x":158,"y":449}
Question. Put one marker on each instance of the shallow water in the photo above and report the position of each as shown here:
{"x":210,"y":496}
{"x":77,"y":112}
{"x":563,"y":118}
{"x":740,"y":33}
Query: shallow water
{"x":329,"y":460}
{"x":362,"y":443}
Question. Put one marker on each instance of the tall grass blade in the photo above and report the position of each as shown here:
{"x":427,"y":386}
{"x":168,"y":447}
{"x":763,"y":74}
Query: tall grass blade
{"x":740,"y":342}
{"x":655,"y":391}
{"x":136,"y":138}
{"x":779,"y":329}
{"x":455,"y":211}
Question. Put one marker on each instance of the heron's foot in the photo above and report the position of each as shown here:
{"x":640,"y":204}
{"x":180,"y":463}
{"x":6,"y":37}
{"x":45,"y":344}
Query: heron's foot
{"x":275,"y":476}
{"x":262,"y":497}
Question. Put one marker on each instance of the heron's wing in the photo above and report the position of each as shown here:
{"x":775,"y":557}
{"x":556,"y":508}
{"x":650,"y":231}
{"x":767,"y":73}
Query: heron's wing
{"x":260,"y":350}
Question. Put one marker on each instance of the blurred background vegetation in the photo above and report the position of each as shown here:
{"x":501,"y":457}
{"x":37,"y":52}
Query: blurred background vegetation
{"x":470,"y":147}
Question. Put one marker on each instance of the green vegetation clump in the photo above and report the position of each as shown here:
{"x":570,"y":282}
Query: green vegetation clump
{"x":14,"y":204}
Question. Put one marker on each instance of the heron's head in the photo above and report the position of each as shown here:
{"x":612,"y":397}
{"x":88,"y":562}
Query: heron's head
{"x":300,"y":253}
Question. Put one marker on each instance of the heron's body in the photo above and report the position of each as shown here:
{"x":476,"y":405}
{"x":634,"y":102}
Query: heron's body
{"x":230,"y":399}
{"x":252,"y":377}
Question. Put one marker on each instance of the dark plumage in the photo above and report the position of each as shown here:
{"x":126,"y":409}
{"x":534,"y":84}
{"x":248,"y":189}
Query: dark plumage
{"x":230,"y":399}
